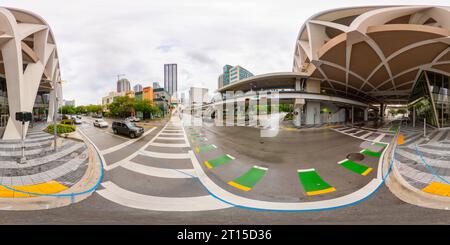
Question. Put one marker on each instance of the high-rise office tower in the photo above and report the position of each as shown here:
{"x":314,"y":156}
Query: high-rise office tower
{"x":171,"y":79}
{"x":156,"y":85}
{"x":137,"y":88}
{"x":123,"y":85}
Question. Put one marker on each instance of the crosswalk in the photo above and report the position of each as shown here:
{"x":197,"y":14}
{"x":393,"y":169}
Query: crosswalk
{"x":366,"y":134}
{"x":168,"y":145}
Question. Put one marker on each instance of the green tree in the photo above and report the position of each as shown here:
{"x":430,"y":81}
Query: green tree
{"x":122,"y":106}
{"x":81,"y":109}
{"x":94,"y":109}
{"x":146,"y":107}
{"x":67,"y":109}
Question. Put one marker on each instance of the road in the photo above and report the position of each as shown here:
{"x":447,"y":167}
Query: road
{"x":149,"y":180}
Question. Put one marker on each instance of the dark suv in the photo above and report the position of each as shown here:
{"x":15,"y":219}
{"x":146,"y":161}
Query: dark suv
{"x":127,"y":128}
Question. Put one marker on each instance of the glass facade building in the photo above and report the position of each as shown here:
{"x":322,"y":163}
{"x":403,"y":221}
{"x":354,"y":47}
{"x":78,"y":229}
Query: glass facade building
{"x":430,"y":99}
{"x":233,"y":74}
{"x":171,"y":79}
{"x":4,"y":108}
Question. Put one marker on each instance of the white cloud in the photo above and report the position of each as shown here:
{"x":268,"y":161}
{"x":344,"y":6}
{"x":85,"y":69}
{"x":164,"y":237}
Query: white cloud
{"x":98,"y":39}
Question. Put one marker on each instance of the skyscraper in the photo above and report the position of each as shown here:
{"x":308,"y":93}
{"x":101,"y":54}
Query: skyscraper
{"x":137,"y":88}
{"x":171,"y":79}
{"x":123,"y":85}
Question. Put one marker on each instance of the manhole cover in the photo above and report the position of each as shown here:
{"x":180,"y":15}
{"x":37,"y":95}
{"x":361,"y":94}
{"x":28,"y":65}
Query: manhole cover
{"x":355,"y":156}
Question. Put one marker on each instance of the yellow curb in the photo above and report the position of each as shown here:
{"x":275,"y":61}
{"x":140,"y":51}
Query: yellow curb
{"x":437,"y":188}
{"x":50,"y":187}
{"x":367,"y":172}
{"x":239,"y":186}
{"x":208,"y":165}
{"x":313,"y":193}
{"x":401,"y":139}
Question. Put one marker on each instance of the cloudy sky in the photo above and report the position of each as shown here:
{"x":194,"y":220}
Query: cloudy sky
{"x":98,"y":39}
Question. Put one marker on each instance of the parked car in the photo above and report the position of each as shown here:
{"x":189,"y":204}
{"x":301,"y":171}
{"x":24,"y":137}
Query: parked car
{"x":132,"y":119}
{"x":127,"y":128}
{"x":77,"y":120}
{"x":100,"y":123}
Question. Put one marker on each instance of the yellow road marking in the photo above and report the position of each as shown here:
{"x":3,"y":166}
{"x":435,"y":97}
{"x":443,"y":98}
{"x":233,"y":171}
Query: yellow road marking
{"x":208,"y":164}
{"x":240,"y":187}
{"x":313,"y":193}
{"x":367,"y":171}
{"x":437,"y":188}
{"x":50,"y":187}
{"x":401,"y":139}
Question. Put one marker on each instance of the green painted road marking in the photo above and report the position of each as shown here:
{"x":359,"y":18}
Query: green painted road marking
{"x":355,"y":167}
{"x":249,"y":179}
{"x":313,"y":183}
{"x":370,"y":153}
{"x":380,"y":144}
{"x":216,"y":162}
{"x":394,"y":128}
{"x":196,"y":135}
{"x":206,"y":148}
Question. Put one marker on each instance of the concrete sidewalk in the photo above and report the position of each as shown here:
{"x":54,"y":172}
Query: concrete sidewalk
{"x":422,"y":168}
{"x":47,"y":179}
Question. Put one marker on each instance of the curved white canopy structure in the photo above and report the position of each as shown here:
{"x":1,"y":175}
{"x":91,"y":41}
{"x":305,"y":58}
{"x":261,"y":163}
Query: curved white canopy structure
{"x":377,"y":52}
{"x":29,"y":63}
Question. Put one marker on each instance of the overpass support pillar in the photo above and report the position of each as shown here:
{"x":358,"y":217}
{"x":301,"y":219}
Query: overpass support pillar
{"x":366,"y":114}
{"x":353,"y":115}
{"x":298,"y":108}
{"x":414,"y":116}
{"x":382,"y":111}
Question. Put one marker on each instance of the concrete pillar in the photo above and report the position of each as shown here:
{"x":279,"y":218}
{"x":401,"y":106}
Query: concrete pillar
{"x":353,"y":115}
{"x":382,"y":111}
{"x":298,"y":85}
{"x":298,"y":107}
{"x":366,"y":114}
{"x":414,"y":116}
{"x":312,"y":113}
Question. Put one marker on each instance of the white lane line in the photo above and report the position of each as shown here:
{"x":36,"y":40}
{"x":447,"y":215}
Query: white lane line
{"x":366,"y":135}
{"x":165,"y":155}
{"x":172,"y":134}
{"x":169,"y":145}
{"x":127,"y":143}
{"x":137,"y":152}
{"x":379,"y":138}
{"x":306,"y":170}
{"x":357,"y":132}
{"x":347,"y":130}
{"x":130,"y":199}
{"x":159,"y":172}
{"x":173,"y":130}
{"x":169,"y":138}
{"x":262,"y":168}
{"x":437,"y":137}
